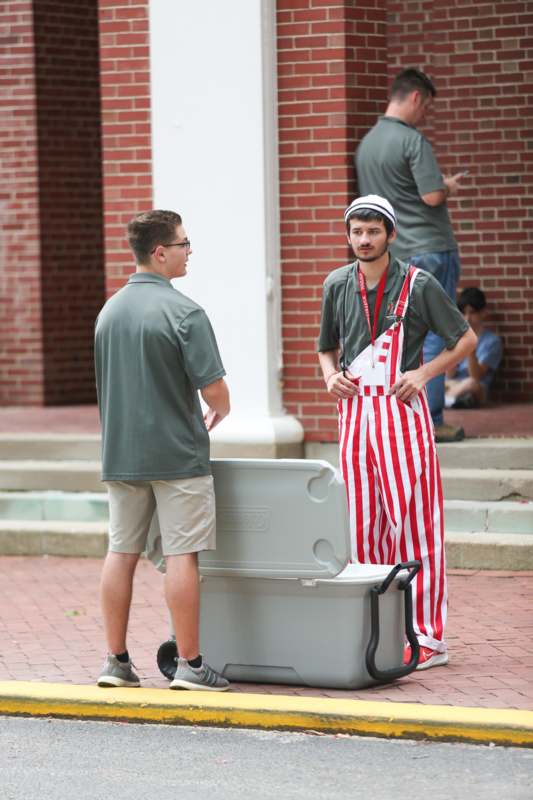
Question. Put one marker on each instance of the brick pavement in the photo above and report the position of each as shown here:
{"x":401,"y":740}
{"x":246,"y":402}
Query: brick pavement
{"x":51,"y":419}
{"x":50,"y":630}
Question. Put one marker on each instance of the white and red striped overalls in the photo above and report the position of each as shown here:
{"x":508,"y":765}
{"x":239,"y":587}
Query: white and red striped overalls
{"x":389,"y":463}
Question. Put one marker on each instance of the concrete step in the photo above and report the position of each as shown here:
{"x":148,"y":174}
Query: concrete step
{"x":84,"y":476}
{"x":49,"y":446}
{"x":478,"y":482}
{"x":470,"y":454}
{"x":502,"y":517}
{"x":507,"y":551}
{"x":89,"y":539}
{"x":487,"y":484}
{"x":52,"y":505}
{"x":53,"y":538}
{"x":459,"y":515}
{"x":487,"y":454}
{"x":67,"y":476}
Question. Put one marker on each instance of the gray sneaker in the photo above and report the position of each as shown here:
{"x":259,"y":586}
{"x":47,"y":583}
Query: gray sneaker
{"x":115,"y":673}
{"x":203,"y":677}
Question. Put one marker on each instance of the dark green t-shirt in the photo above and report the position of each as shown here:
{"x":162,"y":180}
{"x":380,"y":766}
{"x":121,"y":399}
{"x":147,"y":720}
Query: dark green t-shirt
{"x":430,"y":309}
{"x":154,"y":348}
{"x":396,"y":161}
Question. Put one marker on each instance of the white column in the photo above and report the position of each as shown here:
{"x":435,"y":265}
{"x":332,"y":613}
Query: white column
{"x":215,"y":161}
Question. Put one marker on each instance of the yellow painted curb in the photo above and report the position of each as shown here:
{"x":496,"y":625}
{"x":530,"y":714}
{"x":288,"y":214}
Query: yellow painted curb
{"x":286,"y":712}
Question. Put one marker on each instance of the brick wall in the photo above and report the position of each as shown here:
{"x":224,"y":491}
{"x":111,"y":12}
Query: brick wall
{"x":70,"y":194}
{"x":21,"y":373}
{"x":333,"y":63}
{"x":481,"y":58}
{"x":126,"y":132}
{"x":53,"y":173}
{"x":331,"y":82}
{"x":51,"y":253}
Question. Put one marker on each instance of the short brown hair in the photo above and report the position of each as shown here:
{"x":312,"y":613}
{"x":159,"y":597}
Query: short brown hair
{"x":146,"y":231}
{"x":412,"y":80}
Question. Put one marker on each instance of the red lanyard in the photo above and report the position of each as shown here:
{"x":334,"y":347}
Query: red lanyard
{"x":379,"y":298}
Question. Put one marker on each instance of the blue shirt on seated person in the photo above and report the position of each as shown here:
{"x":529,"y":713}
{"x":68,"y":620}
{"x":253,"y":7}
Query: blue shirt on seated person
{"x":467,"y":386}
{"x":489,"y":351}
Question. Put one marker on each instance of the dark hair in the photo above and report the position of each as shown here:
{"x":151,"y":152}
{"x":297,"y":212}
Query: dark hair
{"x":473,"y":297}
{"x":411,"y":80}
{"x":367,"y":215}
{"x":146,"y":231}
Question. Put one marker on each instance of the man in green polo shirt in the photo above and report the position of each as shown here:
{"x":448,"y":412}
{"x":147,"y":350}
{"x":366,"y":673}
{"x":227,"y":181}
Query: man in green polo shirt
{"x":396,"y":161}
{"x":154,"y":351}
{"x":376,"y":313}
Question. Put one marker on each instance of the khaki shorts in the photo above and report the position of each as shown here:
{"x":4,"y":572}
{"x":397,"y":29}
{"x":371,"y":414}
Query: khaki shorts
{"x":185,"y":507}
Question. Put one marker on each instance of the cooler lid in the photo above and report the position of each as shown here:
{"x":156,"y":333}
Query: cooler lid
{"x":284,"y":518}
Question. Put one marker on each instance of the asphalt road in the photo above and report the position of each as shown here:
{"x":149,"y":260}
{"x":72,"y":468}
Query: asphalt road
{"x":60,"y":760}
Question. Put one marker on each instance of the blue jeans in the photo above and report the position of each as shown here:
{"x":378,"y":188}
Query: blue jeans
{"x":445,"y":268}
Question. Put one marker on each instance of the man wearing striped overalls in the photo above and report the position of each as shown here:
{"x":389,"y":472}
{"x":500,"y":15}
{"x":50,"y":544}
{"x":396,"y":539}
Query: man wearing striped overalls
{"x":375,"y":315}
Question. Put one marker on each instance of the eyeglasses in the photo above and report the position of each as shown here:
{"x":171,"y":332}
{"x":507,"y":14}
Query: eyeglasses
{"x":186,"y":244}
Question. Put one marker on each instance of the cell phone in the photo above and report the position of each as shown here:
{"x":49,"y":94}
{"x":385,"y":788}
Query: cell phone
{"x":465,"y":172}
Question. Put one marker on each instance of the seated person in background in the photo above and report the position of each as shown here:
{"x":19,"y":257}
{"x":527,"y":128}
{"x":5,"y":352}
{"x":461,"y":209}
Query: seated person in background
{"x":467,"y":386}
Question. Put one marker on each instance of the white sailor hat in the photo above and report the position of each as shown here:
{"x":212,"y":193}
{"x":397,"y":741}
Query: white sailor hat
{"x":371,"y":202}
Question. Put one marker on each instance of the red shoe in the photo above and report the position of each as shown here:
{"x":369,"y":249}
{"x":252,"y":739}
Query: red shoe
{"x":428,"y":658}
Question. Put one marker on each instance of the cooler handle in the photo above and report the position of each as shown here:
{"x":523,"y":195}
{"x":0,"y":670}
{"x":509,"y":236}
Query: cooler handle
{"x":396,"y":672}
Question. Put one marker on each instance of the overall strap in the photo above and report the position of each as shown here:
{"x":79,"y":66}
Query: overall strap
{"x":401,"y":313}
{"x":405,"y":291}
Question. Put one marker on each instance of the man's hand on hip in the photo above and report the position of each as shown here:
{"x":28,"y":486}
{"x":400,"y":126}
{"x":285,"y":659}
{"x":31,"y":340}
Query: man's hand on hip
{"x":409,"y":385}
{"x":342,"y":386}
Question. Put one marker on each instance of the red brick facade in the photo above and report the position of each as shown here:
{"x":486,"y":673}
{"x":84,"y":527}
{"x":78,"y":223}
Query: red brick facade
{"x":481,"y":57}
{"x":70,"y":192}
{"x":126,"y":131}
{"x":52,"y":270}
{"x":70,"y":161}
{"x":332,"y":81}
{"x":21,"y":340}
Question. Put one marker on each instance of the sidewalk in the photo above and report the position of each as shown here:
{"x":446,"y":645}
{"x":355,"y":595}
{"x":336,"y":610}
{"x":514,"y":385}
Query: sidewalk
{"x":52,"y":647}
{"x":50,"y":630}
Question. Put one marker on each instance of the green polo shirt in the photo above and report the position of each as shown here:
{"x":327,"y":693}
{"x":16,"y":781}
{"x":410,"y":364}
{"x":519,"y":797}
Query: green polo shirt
{"x":430,"y":310}
{"x":154,"y":349}
{"x":396,"y":161}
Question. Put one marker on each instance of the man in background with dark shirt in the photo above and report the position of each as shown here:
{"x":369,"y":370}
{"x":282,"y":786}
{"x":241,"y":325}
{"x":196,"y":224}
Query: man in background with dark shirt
{"x":396,"y":161}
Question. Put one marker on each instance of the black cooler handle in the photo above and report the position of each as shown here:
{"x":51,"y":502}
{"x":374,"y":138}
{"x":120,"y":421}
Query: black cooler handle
{"x":385,"y":675}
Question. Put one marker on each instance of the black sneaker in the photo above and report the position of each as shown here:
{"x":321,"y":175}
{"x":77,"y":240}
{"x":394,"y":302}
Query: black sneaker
{"x":448,"y":433}
{"x":466,"y":401}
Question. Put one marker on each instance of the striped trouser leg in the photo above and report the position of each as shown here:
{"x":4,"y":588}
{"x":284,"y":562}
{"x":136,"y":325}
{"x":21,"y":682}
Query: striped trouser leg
{"x":410,"y":489}
{"x":358,"y":471}
{"x":432,"y":545}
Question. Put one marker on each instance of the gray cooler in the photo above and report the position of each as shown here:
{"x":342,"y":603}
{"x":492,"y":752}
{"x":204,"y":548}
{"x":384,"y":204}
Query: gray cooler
{"x":280,"y":602}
